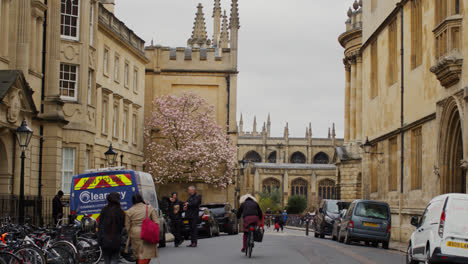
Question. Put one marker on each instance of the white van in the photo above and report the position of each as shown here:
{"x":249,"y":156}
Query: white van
{"x":441,"y":234}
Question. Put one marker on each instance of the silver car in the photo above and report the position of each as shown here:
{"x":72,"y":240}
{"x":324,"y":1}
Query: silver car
{"x":368,"y":221}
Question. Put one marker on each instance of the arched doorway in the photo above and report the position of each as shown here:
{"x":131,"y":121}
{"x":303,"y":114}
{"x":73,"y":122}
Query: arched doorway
{"x":270,"y":185}
{"x":5,"y":175}
{"x":299,"y":187}
{"x":452,"y":177}
{"x":253,"y":156}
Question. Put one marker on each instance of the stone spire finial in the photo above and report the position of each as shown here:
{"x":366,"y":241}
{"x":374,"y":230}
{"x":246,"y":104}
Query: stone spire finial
{"x":224,"y":39}
{"x":310,"y":129}
{"x":234,"y":22}
{"x":307,"y":133}
{"x":217,"y":22}
{"x":356,"y":5}
{"x":350,"y":12}
{"x":255,"y":125}
{"x":268,"y":125}
{"x":241,"y":125}
{"x":333,"y":134}
{"x":360,"y":3}
{"x":199,"y":37}
{"x":286,"y":131}
{"x":329,"y":133}
{"x":264,"y":128}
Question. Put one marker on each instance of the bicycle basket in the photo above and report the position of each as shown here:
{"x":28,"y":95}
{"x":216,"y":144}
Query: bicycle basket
{"x":68,"y":233}
{"x":258,"y":234}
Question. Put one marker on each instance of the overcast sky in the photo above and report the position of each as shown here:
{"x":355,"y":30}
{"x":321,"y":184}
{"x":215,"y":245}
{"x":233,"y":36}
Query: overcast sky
{"x":290,"y":61}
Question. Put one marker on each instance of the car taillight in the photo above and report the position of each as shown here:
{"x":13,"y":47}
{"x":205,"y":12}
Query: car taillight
{"x":252,"y":229}
{"x":351,"y":224}
{"x":205,"y":217}
{"x":388,"y":229}
{"x":72,"y":212}
{"x":442,"y":224}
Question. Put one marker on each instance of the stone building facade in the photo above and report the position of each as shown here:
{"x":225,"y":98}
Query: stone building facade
{"x":206,"y":67}
{"x":295,"y":166}
{"x":406,"y":91}
{"x":52,"y":74}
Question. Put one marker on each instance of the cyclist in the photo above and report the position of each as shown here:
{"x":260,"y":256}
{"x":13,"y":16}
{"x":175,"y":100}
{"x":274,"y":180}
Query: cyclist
{"x":251,"y":215}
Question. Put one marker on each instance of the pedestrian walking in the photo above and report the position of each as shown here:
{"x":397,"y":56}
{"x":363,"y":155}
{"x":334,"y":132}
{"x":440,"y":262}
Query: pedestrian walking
{"x":191,"y":208}
{"x":57,"y":207}
{"x":285,"y":217}
{"x":111,"y":223}
{"x":251,"y":215}
{"x":268,"y":216}
{"x":142,"y":250}
{"x":279,"y":221}
{"x":175,"y":214}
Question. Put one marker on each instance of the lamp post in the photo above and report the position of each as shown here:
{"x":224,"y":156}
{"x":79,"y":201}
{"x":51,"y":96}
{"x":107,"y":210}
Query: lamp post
{"x":367,"y":147}
{"x":237,"y":188}
{"x":111,"y":156}
{"x":23,"y":134}
{"x":121,"y":160}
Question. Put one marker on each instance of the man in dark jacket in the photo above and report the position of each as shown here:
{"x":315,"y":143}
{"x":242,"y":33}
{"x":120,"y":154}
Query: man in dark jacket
{"x":175,"y":214}
{"x":57,"y":207}
{"x":192,"y":208}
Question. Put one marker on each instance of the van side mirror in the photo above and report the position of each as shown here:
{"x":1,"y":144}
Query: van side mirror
{"x":415,"y":221}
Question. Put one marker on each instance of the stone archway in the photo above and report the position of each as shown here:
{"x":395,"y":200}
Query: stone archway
{"x":452,"y":177}
{"x":253,"y":156}
{"x":5,"y":175}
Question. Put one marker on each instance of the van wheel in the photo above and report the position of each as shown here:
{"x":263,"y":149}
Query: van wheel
{"x":385,"y":245}
{"x":409,"y":256}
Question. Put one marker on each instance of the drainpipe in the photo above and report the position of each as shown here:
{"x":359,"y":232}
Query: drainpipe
{"x":228,"y":88}
{"x":402,"y":117}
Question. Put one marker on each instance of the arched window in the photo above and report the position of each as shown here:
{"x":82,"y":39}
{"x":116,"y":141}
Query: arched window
{"x":321,"y":158}
{"x":298,"y":157}
{"x":272,"y":157}
{"x":253,"y":156}
{"x":327,"y":189}
{"x":299,"y":187}
{"x":270,"y":185}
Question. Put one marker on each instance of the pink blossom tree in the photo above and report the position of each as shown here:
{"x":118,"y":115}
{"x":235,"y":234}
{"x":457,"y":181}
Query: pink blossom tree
{"x":183,"y":142}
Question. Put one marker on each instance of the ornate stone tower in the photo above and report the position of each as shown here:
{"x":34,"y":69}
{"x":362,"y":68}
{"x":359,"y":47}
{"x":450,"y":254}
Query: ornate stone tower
{"x":199,"y":37}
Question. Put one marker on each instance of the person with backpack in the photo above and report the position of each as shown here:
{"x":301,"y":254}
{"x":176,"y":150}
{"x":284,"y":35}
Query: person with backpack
{"x":279,"y":221}
{"x":111,"y":223}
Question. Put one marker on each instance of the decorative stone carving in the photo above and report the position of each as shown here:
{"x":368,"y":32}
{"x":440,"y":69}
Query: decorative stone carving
{"x":448,"y":70}
{"x":92,"y":58}
{"x":69,"y":52}
{"x":14,"y":107}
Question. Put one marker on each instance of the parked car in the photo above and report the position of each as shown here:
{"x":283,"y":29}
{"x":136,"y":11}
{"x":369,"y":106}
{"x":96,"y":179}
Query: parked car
{"x":368,"y":221}
{"x":327,"y":212}
{"x":441,"y":234}
{"x":89,"y":191}
{"x":207,"y":224}
{"x":337,"y":225}
{"x":225,"y":217}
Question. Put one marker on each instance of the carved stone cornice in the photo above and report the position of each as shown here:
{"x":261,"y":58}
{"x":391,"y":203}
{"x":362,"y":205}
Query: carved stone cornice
{"x":448,"y":70}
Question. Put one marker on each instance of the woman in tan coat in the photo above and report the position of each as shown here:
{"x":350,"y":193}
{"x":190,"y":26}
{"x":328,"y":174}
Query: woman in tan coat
{"x":142,"y":250}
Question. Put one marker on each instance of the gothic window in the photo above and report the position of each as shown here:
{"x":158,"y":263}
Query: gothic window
{"x":299,"y":187}
{"x":393,"y":164}
{"x":270,"y":185}
{"x":374,"y":89}
{"x":253,"y":156}
{"x":70,"y":14}
{"x":416,"y":158}
{"x":272,"y":157}
{"x":327,"y":189}
{"x":321,"y":158}
{"x":416,"y":33}
{"x":298,"y":157}
{"x":392,"y":70}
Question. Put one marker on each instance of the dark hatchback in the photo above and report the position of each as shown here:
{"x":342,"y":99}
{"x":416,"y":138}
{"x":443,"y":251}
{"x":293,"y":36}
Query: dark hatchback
{"x":328,"y":211}
{"x":206,"y":224}
{"x":224,"y":216}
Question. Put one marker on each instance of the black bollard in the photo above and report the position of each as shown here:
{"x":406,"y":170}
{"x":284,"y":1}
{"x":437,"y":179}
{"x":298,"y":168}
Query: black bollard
{"x":307,"y":227}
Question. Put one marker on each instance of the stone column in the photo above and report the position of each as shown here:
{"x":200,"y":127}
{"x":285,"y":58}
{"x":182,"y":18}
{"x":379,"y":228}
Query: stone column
{"x":359,"y":99}
{"x":39,"y":32}
{"x":347,"y":101}
{"x":23,"y":35}
{"x":52,"y":103}
{"x":5,"y":27}
{"x":352,"y":107}
{"x":34,"y":44}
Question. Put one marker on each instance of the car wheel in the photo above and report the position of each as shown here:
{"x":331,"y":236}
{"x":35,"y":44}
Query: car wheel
{"x":428,"y":255}
{"x":217,"y":230}
{"x":375,"y":244}
{"x":347,"y":240}
{"x":409,"y":256}
{"x":316,"y":234}
{"x":210,"y":231}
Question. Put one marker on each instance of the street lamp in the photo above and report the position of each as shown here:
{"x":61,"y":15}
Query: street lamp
{"x":23,"y":134}
{"x":367,"y":146}
{"x":111,"y":156}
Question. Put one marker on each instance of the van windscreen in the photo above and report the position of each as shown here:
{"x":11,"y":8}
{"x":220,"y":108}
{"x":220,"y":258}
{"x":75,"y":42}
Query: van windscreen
{"x":372,"y":210}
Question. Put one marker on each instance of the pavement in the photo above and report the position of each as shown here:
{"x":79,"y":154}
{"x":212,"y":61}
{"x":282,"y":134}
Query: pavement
{"x":394,"y":245}
{"x":288,"y":247}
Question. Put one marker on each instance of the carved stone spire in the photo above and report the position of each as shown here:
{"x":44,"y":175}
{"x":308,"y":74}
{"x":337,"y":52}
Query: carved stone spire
{"x":333,"y":134}
{"x":234,"y":22}
{"x":268,"y":126}
{"x":224,"y":33}
{"x":329,"y":133}
{"x":286,"y":131}
{"x":241,"y":125}
{"x":217,"y":22}
{"x":310,"y":130}
{"x":199,"y":37}
{"x":255,"y":126}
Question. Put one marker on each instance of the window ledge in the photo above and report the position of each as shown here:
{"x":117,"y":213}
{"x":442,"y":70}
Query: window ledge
{"x":70,"y":100}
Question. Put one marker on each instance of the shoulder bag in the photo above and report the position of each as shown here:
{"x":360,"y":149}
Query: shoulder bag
{"x":149,"y":230}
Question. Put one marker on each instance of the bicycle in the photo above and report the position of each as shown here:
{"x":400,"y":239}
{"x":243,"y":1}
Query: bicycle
{"x":250,"y":241}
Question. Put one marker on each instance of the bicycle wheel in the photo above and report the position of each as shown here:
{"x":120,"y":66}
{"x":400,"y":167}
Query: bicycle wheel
{"x":31,"y":255}
{"x":89,"y":251}
{"x":69,"y":247}
{"x":59,"y":255}
{"x":9,"y":258}
{"x":250,"y":244}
